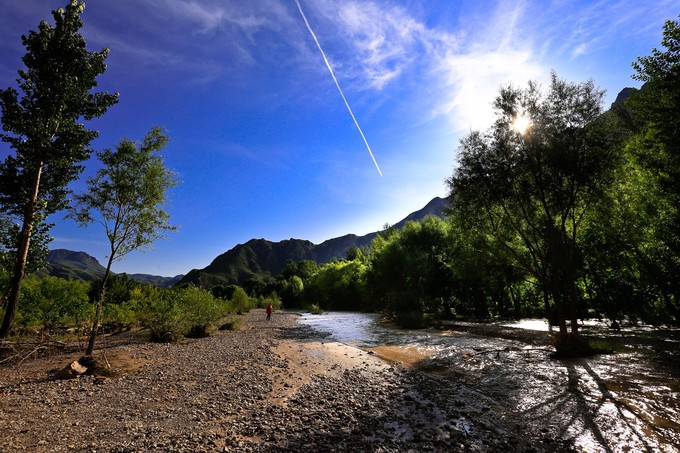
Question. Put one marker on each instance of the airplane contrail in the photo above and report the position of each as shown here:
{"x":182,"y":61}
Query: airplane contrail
{"x":330,"y":69}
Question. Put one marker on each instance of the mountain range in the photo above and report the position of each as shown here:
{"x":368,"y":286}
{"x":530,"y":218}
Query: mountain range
{"x":81,"y":266}
{"x":260,"y":256}
{"x":255,"y":258}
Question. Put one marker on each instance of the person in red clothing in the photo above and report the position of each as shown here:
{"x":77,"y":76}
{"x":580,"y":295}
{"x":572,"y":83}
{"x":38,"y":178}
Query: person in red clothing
{"x":270,"y":309}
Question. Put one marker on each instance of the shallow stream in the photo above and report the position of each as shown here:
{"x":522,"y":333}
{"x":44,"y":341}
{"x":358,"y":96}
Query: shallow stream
{"x":627,"y":401}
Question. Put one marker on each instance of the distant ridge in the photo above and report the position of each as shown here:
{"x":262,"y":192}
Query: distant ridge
{"x":81,"y":266}
{"x":262,"y":257}
{"x":72,"y":265}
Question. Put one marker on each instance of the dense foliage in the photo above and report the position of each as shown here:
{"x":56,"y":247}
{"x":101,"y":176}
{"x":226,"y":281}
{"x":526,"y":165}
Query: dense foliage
{"x":575,"y":216}
{"x":42,"y":121}
{"x":58,"y":306}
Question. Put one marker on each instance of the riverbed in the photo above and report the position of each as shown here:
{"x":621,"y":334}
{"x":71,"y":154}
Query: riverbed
{"x":627,"y":401}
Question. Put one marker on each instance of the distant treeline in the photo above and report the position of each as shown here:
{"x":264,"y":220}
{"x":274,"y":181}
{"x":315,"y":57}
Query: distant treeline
{"x":559,"y":209}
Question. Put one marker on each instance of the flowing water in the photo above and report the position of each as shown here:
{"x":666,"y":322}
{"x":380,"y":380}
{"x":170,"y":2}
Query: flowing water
{"x":627,"y":401}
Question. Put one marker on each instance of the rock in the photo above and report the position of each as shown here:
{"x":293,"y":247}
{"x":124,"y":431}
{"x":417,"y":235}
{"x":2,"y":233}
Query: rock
{"x":72,"y":370}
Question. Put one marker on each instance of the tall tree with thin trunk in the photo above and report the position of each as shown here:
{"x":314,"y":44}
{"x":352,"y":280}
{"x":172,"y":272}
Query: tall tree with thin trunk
{"x":126,"y":197}
{"x":42,"y":122}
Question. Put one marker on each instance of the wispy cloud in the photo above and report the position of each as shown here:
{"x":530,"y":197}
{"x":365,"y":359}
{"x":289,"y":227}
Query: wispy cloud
{"x":460,"y":70}
{"x":385,"y":41}
{"x":69,"y":240}
{"x":209,"y":16}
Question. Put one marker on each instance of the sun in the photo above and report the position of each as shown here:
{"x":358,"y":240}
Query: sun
{"x":521,"y":123}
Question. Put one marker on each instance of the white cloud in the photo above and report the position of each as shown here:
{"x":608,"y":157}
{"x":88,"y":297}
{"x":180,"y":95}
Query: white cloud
{"x":579,"y":50}
{"x":210,"y":16}
{"x":458,"y":70}
{"x":472,"y":80}
{"x":384,"y":40}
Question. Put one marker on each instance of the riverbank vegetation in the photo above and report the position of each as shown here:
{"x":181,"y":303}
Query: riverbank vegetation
{"x":574,"y":214}
{"x":59,"y":308}
{"x":560,"y":209}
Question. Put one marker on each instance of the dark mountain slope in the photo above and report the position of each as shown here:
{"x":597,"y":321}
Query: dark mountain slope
{"x":262,"y":257}
{"x":72,"y":265}
{"x":81,"y":266}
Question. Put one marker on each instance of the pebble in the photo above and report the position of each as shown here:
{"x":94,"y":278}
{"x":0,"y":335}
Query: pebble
{"x":219,"y":394}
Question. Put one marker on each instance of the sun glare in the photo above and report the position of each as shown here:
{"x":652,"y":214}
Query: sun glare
{"x":521,"y":124}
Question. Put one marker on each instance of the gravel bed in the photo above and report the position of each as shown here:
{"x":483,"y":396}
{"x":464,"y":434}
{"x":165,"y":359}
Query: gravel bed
{"x":233,"y":392}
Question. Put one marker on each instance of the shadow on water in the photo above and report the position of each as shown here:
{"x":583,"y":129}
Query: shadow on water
{"x":589,"y":412}
{"x":623,"y":402}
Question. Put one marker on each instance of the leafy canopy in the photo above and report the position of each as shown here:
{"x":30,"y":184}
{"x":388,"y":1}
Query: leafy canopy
{"x":42,"y":120}
{"x":127,"y":195}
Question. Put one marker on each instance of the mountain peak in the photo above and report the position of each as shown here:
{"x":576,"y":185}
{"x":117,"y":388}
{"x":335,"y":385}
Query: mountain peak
{"x":260,"y":256}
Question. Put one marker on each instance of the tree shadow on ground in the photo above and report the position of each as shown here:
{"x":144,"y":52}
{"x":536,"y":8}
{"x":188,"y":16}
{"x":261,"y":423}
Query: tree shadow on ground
{"x":587,"y":411}
{"x":387,"y":409}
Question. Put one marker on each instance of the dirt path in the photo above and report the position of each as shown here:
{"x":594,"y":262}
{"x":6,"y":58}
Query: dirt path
{"x":274,"y":386}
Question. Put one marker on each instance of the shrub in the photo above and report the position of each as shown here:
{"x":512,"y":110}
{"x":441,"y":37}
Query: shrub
{"x":187,"y":311}
{"x":53,"y":303}
{"x":199,"y":307}
{"x":240,"y":302}
{"x":273,"y":299}
{"x":411,"y":320}
{"x":164,"y":323}
{"x":315,"y":309}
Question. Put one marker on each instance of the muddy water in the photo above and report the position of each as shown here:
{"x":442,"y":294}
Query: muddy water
{"x":628,"y":401}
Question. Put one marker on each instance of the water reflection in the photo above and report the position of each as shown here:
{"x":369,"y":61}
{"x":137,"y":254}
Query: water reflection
{"x":629,"y":401}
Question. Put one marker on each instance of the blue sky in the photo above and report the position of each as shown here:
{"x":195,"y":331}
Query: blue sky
{"x":260,"y":137}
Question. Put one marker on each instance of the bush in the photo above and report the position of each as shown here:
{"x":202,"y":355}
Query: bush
{"x":186,"y":311}
{"x":240,"y":302}
{"x":273,"y":299}
{"x":411,"y":320}
{"x":199,"y":307}
{"x":315,"y":309}
{"x":164,"y":323}
{"x":52,"y":303}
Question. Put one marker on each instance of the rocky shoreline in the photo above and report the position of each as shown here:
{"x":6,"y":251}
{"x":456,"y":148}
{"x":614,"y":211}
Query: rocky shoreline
{"x":273,"y":386}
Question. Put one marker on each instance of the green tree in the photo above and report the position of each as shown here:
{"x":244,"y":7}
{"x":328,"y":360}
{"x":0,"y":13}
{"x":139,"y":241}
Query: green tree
{"x":44,"y":126}
{"x":538,"y":184}
{"x":410,"y":269}
{"x":303,"y":269}
{"x":339,"y":285}
{"x":484,"y":282}
{"x":656,"y":147}
{"x":126,"y":197}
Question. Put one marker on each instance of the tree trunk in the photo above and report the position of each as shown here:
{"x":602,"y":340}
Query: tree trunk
{"x":516,"y":303}
{"x":573,"y":308}
{"x":98,"y":309}
{"x":14,"y":287}
{"x":558,"y":301}
{"x":546,"y":307}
